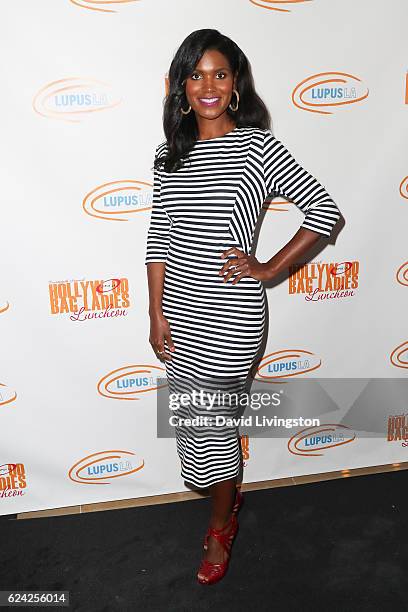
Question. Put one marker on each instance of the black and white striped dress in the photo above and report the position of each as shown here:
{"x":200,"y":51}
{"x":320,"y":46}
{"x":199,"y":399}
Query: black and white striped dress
{"x":209,"y":205}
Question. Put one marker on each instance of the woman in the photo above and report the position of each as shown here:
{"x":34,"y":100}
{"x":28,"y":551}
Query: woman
{"x":207,"y":300}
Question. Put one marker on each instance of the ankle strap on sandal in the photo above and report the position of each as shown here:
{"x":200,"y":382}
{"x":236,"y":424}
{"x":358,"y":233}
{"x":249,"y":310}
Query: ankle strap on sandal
{"x":224,"y":537}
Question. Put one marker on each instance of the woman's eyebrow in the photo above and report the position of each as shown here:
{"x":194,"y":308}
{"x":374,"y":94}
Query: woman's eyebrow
{"x":215,"y":69}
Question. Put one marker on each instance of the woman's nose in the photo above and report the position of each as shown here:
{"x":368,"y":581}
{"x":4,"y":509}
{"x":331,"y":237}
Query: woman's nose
{"x":209,"y":83}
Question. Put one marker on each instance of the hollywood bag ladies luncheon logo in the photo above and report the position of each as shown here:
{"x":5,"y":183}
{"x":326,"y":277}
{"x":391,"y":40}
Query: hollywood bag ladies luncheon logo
{"x":285,"y":364}
{"x":13,"y":480}
{"x":104,"y":467}
{"x":397,"y":430}
{"x":278,"y":5}
{"x":90,"y":299}
{"x":328,"y":91}
{"x":131,"y":382}
{"x":319,"y":281}
{"x":118,"y":200}
{"x":101,"y":5}
{"x":74,"y":99}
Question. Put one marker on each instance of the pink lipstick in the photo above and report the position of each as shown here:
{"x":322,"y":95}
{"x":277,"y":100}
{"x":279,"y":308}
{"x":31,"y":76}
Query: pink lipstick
{"x":209,"y":101}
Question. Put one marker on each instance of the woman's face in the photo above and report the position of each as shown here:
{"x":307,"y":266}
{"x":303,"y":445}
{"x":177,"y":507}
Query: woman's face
{"x":209,"y":87}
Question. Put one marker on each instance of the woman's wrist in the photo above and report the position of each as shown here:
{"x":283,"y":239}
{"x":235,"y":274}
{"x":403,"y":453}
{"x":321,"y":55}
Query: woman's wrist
{"x":155,"y":311}
{"x":269,"y":270}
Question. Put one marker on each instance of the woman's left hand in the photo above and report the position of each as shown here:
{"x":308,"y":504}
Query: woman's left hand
{"x":242,"y":265}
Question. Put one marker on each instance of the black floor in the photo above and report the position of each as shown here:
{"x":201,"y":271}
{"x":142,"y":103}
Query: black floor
{"x":338,"y":545}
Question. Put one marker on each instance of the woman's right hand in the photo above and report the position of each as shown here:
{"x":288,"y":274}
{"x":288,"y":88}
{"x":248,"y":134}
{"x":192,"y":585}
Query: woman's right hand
{"x":159,"y":332}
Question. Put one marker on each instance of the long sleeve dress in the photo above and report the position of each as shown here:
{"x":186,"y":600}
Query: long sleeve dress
{"x":207,"y":206}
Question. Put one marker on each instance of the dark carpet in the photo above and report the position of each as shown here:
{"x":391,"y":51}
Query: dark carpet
{"x":338,"y":545}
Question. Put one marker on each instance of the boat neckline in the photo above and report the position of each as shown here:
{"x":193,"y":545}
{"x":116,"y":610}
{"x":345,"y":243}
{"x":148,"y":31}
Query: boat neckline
{"x":218,"y":137}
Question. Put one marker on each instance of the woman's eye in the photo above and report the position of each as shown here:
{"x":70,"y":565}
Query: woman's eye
{"x":221,"y":75}
{"x":195,"y":76}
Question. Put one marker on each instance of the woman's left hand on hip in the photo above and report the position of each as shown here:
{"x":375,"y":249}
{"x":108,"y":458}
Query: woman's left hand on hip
{"x":242,"y":265}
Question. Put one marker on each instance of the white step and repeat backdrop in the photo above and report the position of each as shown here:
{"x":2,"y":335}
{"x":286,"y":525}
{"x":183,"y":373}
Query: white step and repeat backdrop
{"x":83,"y":87}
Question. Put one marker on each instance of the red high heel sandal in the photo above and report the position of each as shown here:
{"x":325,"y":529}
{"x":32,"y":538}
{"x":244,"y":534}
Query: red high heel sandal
{"x":239,"y":500}
{"x":213,"y":572}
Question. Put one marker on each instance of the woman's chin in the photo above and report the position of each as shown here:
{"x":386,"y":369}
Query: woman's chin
{"x":209,"y":113}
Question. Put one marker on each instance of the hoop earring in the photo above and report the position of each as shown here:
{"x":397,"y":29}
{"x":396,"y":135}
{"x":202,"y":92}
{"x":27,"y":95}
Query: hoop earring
{"x":235,"y":108}
{"x":185,"y":112}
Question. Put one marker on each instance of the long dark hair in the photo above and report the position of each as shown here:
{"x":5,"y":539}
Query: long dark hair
{"x":181,"y":131}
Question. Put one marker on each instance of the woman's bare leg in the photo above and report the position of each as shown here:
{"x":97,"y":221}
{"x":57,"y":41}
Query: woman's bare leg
{"x":222,"y":500}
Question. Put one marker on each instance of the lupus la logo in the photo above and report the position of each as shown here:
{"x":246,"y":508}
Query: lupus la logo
{"x":402,"y":274}
{"x":104,"y":467}
{"x":101,"y":5}
{"x":13,"y":480}
{"x":7,"y":395}
{"x":277,"y":5}
{"x":325,"y":90}
{"x":4,"y":306}
{"x":90,"y":299}
{"x":284,"y":364}
{"x":398,"y":429}
{"x":74,"y":99}
{"x":117,"y":200}
{"x":403,"y":188}
{"x":324,"y":281}
{"x":131,"y":382}
{"x":399,"y":356}
{"x":309,"y":442}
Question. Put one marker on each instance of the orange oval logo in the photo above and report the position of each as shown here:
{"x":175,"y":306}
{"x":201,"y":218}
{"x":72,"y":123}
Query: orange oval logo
{"x":117,"y":200}
{"x":101,"y":5}
{"x":310,"y":441}
{"x":74,"y":99}
{"x":404,"y":188}
{"x":399,"y":356}
{"x":105,"y":466}
{"x":129,"y":382}
{"x":341,"y":268}
{"x":7,"y":395}
{"x":3,"y":307}
{"x":108,"y":285}
{"x":325,"y":90}
{"x":285,"y":364}
{"x":402,"y":274}
{"x":277,"y":5}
